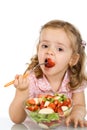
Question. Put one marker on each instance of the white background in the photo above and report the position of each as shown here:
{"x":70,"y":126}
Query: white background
{"x":20,"y":23}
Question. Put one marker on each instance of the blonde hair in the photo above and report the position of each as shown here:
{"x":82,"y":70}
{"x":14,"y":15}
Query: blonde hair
{"x":77,"y":72}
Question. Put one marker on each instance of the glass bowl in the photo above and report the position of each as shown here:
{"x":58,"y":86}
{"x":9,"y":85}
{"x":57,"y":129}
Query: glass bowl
{"x":48,"y":111}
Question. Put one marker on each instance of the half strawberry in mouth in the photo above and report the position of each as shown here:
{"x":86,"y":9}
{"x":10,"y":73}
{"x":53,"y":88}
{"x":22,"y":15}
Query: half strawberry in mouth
{"x":49,"y":63}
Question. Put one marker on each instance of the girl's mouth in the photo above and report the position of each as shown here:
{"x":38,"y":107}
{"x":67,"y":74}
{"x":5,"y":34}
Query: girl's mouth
{"x":49,"y":63}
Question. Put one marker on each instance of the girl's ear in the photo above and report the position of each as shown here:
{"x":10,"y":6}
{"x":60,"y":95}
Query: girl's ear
{"x":74,"y":59}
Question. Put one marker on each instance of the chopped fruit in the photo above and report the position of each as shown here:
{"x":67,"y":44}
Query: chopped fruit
{"x":58,"y":103}
{"x":47,"y":103}
{"x":32,"y":107}
{"x":49,"y":63}
{"x":60,"y":111}
{"x":64,"y":108}
{"x":36,"y":100}
{"x":46,"y":111}
{"x":31,"y":101}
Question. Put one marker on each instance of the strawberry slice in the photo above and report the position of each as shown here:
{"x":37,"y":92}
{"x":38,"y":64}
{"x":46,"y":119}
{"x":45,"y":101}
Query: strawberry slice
{"x":49,"y":63}
{"x":31,"y":101}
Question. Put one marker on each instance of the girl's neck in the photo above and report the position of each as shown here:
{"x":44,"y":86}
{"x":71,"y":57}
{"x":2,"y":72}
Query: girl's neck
{"x":55,"y":81}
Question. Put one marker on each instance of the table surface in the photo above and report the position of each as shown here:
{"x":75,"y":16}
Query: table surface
{"x":6,"y":124}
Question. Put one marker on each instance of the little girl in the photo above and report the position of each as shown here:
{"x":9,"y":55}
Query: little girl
{"x":62,"y":44}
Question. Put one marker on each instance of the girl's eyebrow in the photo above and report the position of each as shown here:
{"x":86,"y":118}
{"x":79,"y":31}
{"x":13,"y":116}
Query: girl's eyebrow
{"x":61,"y":44}
{"x":54,"y":42}
{"x":44,"y":41}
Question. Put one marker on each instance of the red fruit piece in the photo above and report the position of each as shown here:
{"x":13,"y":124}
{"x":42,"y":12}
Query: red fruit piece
{"x":49,"y":63}
{"x":67,"y":102}
{"x":60,"y":111}
{"x":33,"y":107}
{"x":31,"y":101}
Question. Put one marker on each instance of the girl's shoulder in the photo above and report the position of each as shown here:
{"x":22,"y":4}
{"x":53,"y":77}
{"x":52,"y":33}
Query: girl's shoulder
{"x":82,"y":87}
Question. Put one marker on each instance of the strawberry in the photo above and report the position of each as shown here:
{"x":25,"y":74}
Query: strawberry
{"x":33,"y":107}
{"x":31,"y":101}
{"x":49,"y":63}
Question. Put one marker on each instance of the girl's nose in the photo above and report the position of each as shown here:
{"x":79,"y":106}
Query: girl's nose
{"x":50,"y":52}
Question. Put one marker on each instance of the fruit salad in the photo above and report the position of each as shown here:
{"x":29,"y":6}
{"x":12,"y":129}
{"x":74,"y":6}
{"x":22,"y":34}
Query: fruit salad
{"x":48,"y":110}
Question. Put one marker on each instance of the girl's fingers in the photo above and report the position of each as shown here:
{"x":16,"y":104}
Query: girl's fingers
{"x":16,"y":83}
{"x":75,"y":124}
{"x":85,"y":123}
{"x":68,"y":120}
{"x":17,"y":76}
{"x":81,"y":123}
{"x":76,"y":121}
{"x":20,"y":79}
{"x":21,"y":83}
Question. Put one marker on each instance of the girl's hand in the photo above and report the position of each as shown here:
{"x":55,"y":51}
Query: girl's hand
{"x":21,"y":83}
{"x":76,"y":119}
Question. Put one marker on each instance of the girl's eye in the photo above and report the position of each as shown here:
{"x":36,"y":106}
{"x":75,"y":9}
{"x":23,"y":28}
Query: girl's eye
{"x":44,"y":46}
{"x":60,"y":49}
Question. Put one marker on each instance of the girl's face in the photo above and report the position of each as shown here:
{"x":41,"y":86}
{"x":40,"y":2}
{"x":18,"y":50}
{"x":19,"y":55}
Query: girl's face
{"x":55,"y":44}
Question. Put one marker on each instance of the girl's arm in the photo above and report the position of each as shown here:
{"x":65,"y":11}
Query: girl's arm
{"x":78,"y":112}
{"x":16,"y":109}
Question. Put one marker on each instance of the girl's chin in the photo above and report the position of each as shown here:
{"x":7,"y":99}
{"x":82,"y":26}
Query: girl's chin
{"x":47,"y":70}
